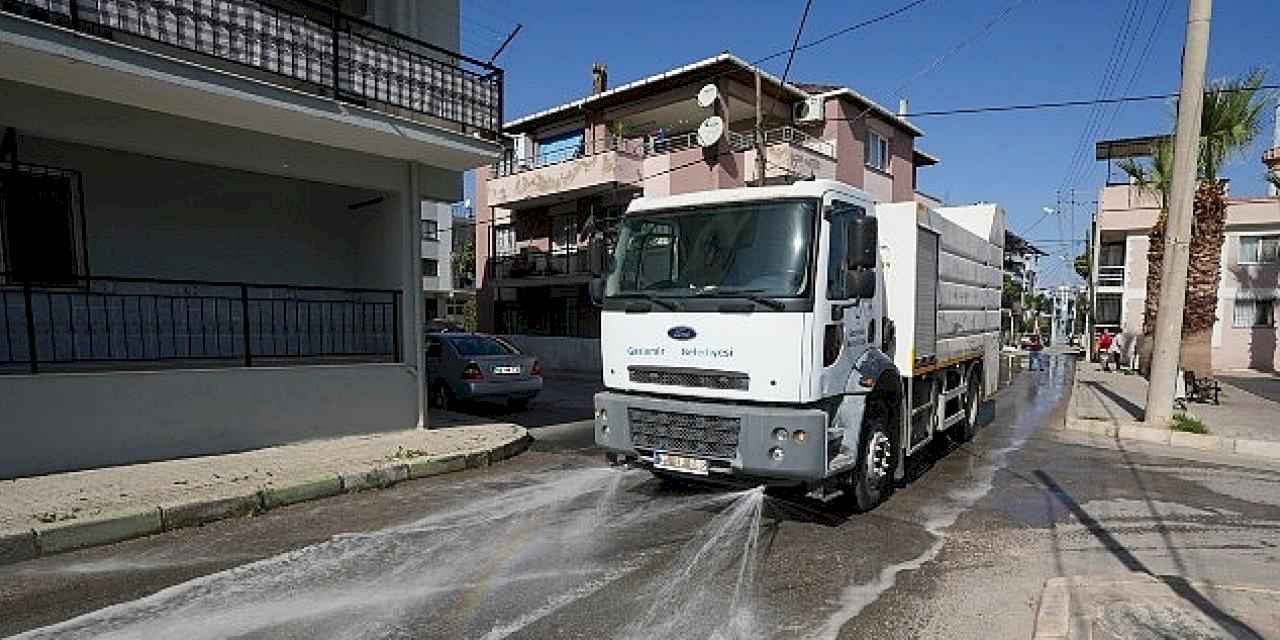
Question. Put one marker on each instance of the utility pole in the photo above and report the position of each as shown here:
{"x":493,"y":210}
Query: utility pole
{"x":1091,"y":247}
{"x":759,"y":135}
{"x":1173,"y":270}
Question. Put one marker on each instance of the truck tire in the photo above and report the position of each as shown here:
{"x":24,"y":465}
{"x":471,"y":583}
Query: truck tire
{"x":873,"y":474}
{"x":973,"y":403}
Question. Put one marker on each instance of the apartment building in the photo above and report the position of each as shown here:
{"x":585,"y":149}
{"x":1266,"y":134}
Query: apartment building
{"x":1245,"y":334}
{"x":212,"y":216}
{"x":545,"y":212}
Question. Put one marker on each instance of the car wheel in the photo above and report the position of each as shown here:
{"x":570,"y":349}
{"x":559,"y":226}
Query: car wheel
{"x":873,"y":475}
{"x":442,"y":397}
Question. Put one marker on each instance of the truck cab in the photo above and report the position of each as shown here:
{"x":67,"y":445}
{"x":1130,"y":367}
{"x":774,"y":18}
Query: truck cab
{"x":745,"y":338}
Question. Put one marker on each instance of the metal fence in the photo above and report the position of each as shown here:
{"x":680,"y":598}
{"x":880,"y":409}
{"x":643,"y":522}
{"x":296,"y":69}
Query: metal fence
{"x":296,"y":40}
{"x":107,"y":323}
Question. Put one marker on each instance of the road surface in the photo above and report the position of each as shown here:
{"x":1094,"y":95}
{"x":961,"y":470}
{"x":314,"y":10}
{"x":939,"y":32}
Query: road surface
{"x":554,"y":545}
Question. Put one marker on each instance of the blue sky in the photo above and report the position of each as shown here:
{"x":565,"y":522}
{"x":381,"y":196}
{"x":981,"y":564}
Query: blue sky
{"x":1042,"y":50}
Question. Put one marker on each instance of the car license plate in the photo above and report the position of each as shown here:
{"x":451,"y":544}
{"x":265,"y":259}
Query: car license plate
{"x":680,"y":463}
{"x":506,"y":369}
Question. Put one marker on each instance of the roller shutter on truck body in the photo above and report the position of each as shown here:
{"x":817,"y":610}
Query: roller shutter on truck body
{"x":926,"y":325}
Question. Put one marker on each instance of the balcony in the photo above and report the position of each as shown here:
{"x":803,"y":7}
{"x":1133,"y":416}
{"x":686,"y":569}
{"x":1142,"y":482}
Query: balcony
{"x":532,"y":267}
{"x":103,"y":323}
{"x":544,"y":177}
{"x":373,"y":66}
{"x":790,"y":152}
{"x":1111,"y":275}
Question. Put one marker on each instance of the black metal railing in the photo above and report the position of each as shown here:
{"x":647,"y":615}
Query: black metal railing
{"x":541,"y":264}
{"x":108,"y":322}
{"x":295,"y":41}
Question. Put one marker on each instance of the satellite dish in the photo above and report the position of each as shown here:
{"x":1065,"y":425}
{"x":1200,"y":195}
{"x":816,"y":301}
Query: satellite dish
{"x":707,"y":96}
{"x":710,"y":131}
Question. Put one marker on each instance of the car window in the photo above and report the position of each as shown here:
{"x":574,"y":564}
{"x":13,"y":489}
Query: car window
{"x":434,"y":348}
{"x":480,"y":346}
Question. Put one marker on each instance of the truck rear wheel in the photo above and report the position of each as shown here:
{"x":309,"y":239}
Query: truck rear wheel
{"x":873,"y":475}
{"x":972,"y":404}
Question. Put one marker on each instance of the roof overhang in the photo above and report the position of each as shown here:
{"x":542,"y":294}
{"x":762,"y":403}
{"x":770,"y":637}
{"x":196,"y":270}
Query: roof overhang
{"x":925,"y":159}
{"x":872,"y":105}
{"x":1119,"y":148}
{"x":702,"y":70}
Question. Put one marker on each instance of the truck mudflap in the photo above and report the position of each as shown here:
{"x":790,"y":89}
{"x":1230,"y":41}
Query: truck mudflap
{"x":772,"y":445}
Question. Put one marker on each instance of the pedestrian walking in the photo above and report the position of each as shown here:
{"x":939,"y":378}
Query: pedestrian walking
{"x":1105,"y":341}
{"x":1034,"y":349}
{"x":1113,"y":353}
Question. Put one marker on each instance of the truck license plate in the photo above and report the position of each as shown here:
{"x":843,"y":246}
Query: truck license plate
{"x":679,"y":463}
{"x":506,"y":369}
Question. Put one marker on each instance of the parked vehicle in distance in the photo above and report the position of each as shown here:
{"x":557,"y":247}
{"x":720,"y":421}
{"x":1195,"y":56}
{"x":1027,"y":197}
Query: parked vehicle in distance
{"x":477,"y":367}
{"x":436,"y":325}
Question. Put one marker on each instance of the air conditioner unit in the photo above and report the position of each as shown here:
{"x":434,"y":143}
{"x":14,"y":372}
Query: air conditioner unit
{"x":808,"y":110}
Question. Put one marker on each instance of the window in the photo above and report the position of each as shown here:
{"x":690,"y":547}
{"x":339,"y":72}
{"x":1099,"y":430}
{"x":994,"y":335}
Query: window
{"x":40,"y":224}
{"x":841,"y":216}
{"x":1111,"y":254}
{"x":877,"y":152}
{"x":430,"y":230}
{"x":1259,"y":249}
{"x":1255,"y":313}
{"x":564,"y":234}
{"x":481,"y":346}
{"x":1108,"y":309}
{"x":430,"y":267}
{"x":505,"y":239}
{"x":455,"y":307}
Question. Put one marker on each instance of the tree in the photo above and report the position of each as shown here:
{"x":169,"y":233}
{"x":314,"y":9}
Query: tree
{"x":1231,"y":121}
{"x":1273,"y":179}
{"x":1083,"y":263}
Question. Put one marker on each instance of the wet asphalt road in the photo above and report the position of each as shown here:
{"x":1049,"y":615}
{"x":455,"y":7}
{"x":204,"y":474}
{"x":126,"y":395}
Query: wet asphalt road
{"x":551,"y":545}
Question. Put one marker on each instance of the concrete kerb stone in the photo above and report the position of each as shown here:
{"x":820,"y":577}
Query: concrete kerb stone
{"x":198,"y":512}
{"x":312,"y":489}
{"x":76,"y":534}
{"x":16,"y":547}
{"x":70,"y":535}
{"x":1258,"y":448}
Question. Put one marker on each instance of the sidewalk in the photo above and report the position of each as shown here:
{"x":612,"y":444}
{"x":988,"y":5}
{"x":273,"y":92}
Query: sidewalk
{"x":1111,"y":403}
{"x":54,"y":513}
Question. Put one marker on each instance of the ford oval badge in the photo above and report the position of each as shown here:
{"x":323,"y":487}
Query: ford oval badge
{"x":682,"y":333}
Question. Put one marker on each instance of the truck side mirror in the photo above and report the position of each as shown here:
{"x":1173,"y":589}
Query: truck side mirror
{"x":860,"y":283}
{"x":862,"y":243}
{"x":596,"y":290}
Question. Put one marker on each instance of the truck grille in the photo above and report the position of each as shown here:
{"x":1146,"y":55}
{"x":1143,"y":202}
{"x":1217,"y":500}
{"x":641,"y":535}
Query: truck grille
{"x":704,"y":378}
{"x":705,"y":436}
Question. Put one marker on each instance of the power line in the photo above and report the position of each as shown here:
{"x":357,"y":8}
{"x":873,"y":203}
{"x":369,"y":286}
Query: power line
{"x":853,"y":27}
{"x":1034,"y":106}
{"x":1109,"y":74}
{"x":1137,"y":72}
{"x":791,"y":56}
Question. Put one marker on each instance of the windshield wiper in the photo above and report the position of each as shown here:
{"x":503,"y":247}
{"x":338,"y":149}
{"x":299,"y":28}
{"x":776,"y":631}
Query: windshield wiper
{"x":658,"y":300}
{"x":749,"y":294}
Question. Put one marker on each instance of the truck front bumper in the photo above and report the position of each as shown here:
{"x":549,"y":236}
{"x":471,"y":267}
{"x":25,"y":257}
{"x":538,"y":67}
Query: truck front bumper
{"x":735,"y":439}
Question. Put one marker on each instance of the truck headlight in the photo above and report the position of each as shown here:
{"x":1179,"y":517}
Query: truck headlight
{"x":780,"y":434}
{"x":799,"y":435}
{"x":603,"y":415}
{"x":776,"y":454}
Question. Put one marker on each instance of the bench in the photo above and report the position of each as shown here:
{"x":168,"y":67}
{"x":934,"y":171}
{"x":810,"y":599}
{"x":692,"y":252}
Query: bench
{"x":1201,"y":389}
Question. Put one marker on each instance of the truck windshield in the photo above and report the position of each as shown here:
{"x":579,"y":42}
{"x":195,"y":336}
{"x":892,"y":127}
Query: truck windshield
{"x":757,"y":248}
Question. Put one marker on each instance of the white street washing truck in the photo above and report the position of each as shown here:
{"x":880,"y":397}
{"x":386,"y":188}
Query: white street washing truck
{"x":798,"y":335}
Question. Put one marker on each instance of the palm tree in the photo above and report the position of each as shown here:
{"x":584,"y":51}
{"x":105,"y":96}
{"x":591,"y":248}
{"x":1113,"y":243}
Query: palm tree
{"x":1231,"y":121}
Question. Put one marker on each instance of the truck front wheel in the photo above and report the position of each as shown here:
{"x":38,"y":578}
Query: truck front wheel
{"x":873,"y":475}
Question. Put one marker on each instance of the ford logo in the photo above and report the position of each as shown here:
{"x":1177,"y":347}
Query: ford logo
{"x":682,"y":333}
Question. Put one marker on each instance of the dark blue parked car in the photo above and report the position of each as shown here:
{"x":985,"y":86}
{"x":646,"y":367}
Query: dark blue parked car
{"x":472,"y":366}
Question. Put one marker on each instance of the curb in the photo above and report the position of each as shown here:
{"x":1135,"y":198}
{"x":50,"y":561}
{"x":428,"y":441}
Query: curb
{"x":1129,"y":430}
{"x":1054,"y":617}
{"x":53,"y":539}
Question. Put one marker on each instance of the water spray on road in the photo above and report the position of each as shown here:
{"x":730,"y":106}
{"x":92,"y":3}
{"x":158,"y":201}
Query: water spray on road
{"x":488,"y":569}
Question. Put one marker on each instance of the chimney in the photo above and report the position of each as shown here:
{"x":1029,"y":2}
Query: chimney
{"x":902,"y":108}
{"x":599,"y":78}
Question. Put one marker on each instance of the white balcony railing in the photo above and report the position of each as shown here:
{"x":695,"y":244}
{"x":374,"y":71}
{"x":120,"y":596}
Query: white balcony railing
{"x":1111,"y":276}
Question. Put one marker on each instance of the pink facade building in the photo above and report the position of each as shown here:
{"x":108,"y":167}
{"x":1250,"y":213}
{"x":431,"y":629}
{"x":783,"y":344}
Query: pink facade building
{"x":1245,"y":335}
{"x":545,"y":212}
